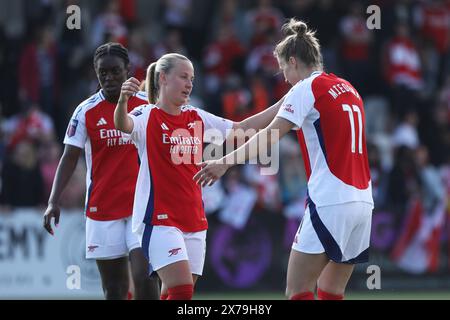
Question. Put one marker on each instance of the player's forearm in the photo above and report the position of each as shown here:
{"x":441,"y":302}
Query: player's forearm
{"x":261,"y":119}
{"x":259,"y":143}
{"x":66,"y":167}
{"x":121,"y":120}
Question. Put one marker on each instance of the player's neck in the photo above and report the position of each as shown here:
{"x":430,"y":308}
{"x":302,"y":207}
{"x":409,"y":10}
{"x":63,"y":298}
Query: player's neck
{"x":110,"y":98}
{"x":307,"y":72}
{"x":168,"y":107}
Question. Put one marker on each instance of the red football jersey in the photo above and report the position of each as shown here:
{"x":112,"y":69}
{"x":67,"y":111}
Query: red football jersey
{"x":169,"y":147}
{"x":329,"y":113}
{"x":111,"y":158}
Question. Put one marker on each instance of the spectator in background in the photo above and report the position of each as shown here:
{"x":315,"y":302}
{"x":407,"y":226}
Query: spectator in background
{"x":355,"y":46}
{"x":432,"y":18}
{"x":127,"y":9}
{"x":405,"y":134}
{"x":379,"y":176}
{"x":22,"y":182}
{"x":74,"y":44}
{"x":292,"y":175}
{"x":267,"y":188}
{"x":139,"y":52}
{"x":230,"y":14}
{"x":176,"y":14}
{"x":402,"y":70}
{"x":109,"y":26}
{"x":2,"y":139}
{"x":223,"y":55}
{"x":263,"y":21}
{"x":417,"y":248}
{"x":403,"y":182}
{"x":444,"y":97}
{"x":433,"y":193}
{"x":435,"y":130}
{"x":38,"y":71}
{"x":31,"y":124}
{"x":325,"y":17}
{"x":240,"y":103}
{"x":261,"y":59}
{"x":171,"y":42}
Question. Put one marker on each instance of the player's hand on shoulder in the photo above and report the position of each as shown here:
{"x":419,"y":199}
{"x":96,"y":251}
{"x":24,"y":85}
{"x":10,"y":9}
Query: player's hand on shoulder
{"x":53,"y":211}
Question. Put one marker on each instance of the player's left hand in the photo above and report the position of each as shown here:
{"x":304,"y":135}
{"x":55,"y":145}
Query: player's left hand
{"x":211,"y":171}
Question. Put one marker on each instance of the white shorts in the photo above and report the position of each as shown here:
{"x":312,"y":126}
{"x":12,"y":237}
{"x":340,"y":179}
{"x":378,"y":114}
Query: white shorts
{"x":164,"y":245}
{"x":106,"y":240}
{"x":341,"y":231}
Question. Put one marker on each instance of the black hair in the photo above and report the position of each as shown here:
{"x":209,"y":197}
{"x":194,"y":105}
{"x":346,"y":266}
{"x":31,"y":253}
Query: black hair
{"x":112,"y":48}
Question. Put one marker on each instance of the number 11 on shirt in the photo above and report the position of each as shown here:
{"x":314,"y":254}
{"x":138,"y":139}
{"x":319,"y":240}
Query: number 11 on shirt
{"x":356,"y":109}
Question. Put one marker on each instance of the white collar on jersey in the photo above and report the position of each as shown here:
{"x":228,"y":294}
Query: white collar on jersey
{"x":102,"y":96}
{"x":315,"y":72}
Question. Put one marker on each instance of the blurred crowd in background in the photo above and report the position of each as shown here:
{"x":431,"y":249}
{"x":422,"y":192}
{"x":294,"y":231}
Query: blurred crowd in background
{"x":402,"y":71}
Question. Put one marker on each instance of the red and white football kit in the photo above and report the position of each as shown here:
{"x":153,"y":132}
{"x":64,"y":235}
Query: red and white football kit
{"x":112,"y":169}
{"x":168,"y":212}
{"x":329,"y":115}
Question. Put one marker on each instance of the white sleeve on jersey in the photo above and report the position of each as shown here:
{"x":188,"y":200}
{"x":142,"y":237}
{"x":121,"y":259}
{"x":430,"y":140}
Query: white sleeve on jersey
{"x":76,"y":133}
{"x":216,"y":128}
{"x":298,"y":103}
{"x":142,"y":95}
{"x":139,"y":116}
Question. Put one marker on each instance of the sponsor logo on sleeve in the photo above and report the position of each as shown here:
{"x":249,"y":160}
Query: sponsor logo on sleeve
{"x":72,"y":128}
{"x":136,"y":112}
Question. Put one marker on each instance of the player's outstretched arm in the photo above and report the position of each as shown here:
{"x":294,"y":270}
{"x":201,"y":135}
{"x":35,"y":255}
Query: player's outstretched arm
{"x":261,"y":119}
{"x":65,"y":170}
{"x":121,"y":120}
{"x":212,"y":170}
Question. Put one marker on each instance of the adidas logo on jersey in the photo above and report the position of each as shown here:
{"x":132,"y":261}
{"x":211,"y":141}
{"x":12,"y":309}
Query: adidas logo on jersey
{"x":101,"y":122}
{"x":164,"y":126}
